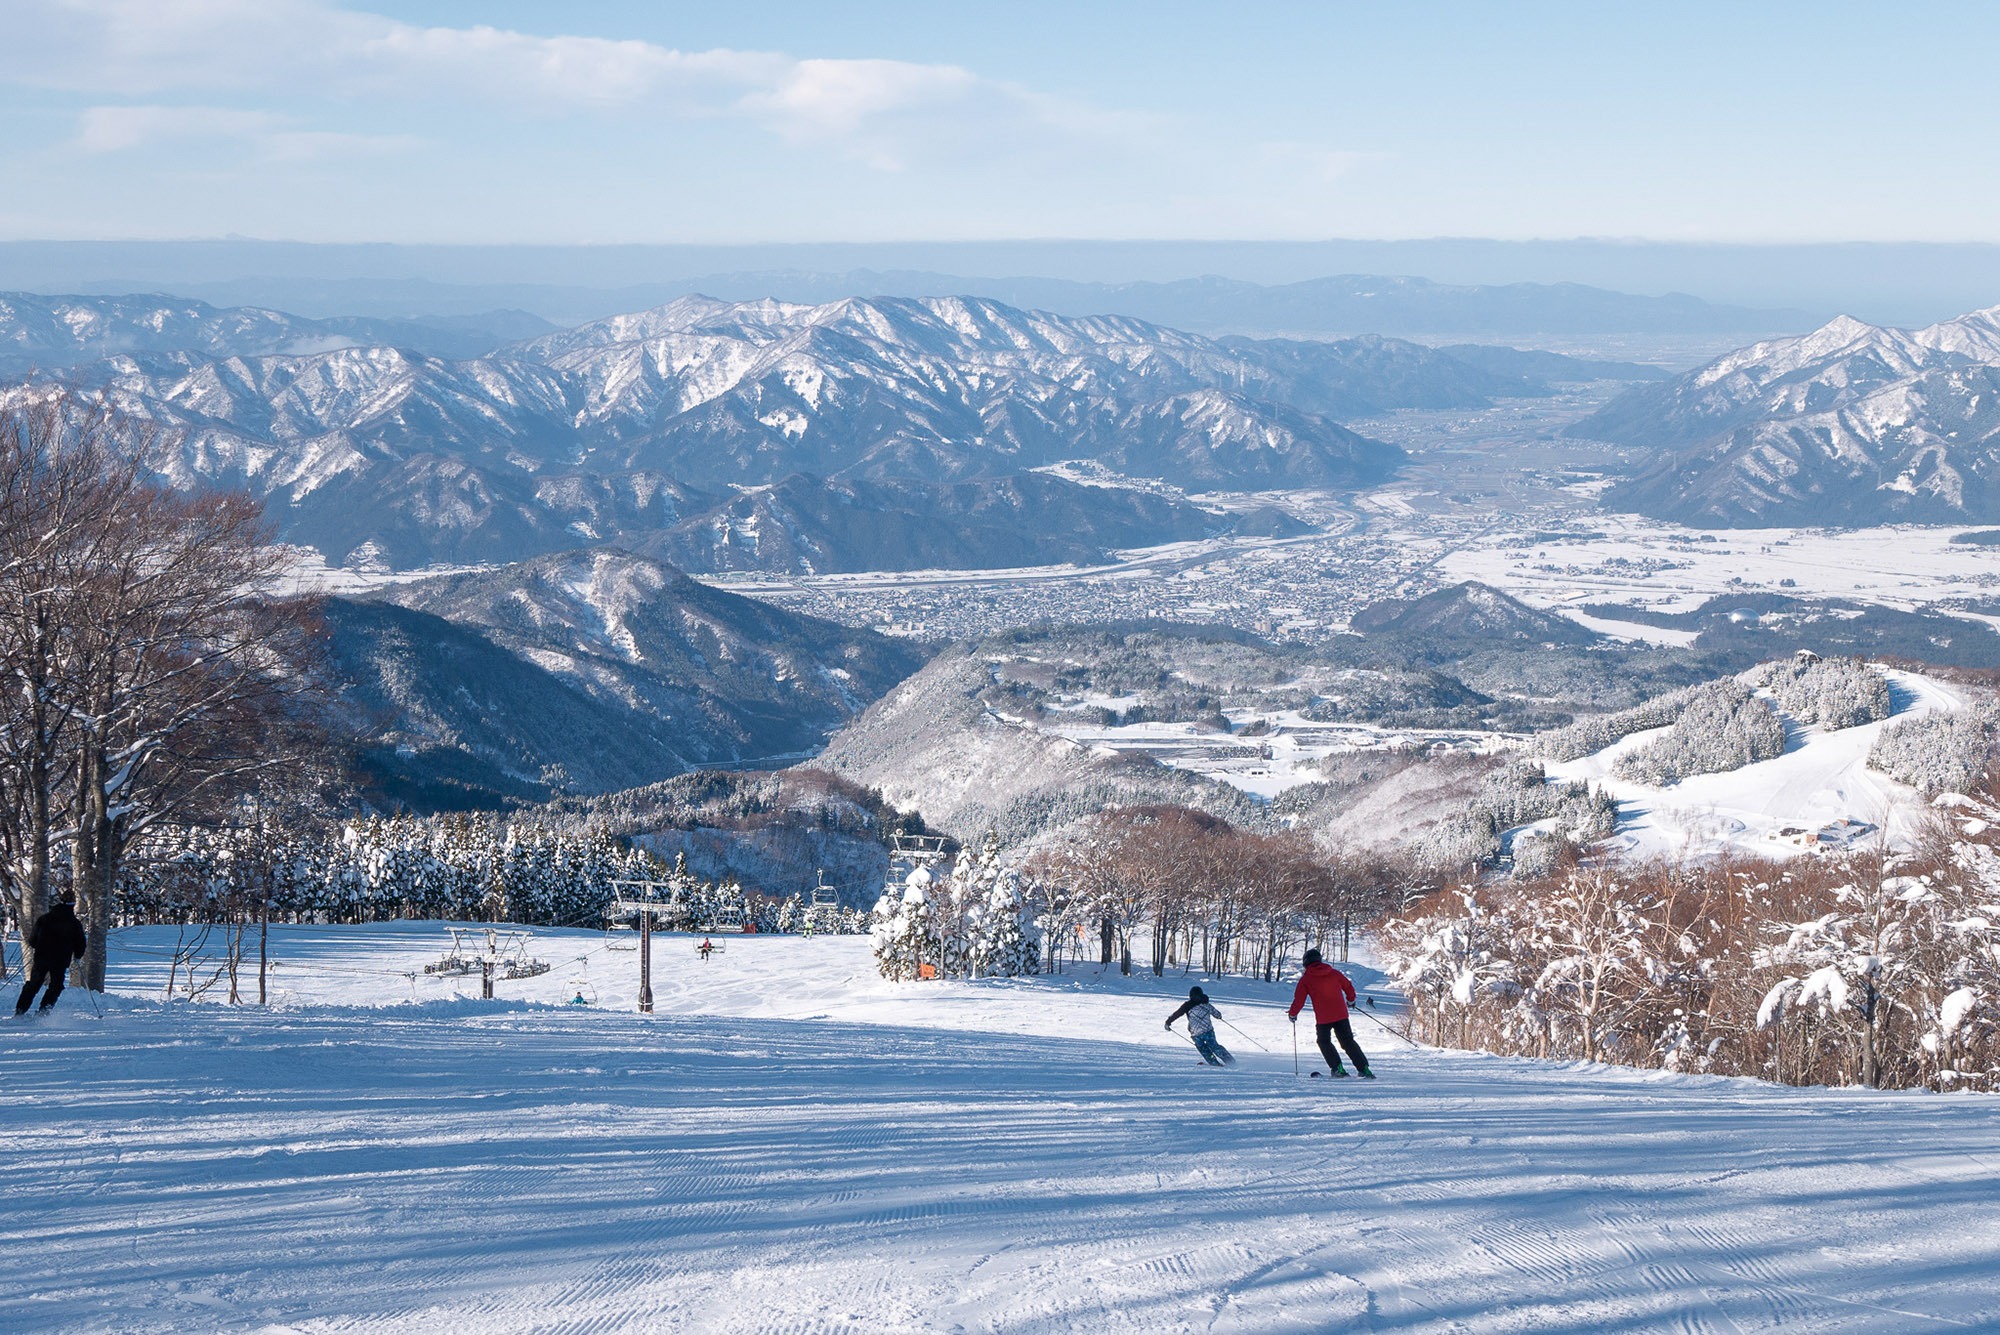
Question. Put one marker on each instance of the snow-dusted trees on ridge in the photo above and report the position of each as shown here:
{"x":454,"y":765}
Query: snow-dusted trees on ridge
{"x":1723,"y":726}
{"x":1588,"y":735}
{"x":1943,"y":752}
{"x":1832,"y":692}
{"x":1516,"y":793}
{"x":1875,"y":969}
{"x":152,"y":674}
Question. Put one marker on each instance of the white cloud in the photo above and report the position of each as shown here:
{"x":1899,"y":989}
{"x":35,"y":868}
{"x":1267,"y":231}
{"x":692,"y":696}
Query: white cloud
{"x":123,"y":129}
{"x":289,"y":80}
{"x":304,"y":48}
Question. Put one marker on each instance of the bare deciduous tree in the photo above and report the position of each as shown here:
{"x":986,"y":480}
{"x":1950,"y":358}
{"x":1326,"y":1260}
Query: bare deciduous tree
{"x":155,"y":672}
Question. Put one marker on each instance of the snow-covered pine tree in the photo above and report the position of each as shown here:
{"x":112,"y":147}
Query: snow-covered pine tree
{"x":791,"y":915}
{"x":1006,"y":942}
{"x":905,"y":927}
{"x":955,"y":913}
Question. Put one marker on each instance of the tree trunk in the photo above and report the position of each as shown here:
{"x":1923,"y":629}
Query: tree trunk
{"x":95,"y":871}
{"x":1871,"y":1066}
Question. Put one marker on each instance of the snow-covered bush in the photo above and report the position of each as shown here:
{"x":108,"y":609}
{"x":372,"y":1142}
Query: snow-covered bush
{"x":1538,"y":853}
{"x":1722,"y":727}
{"x":1871,"y":969}
{"x":1832,"y":692}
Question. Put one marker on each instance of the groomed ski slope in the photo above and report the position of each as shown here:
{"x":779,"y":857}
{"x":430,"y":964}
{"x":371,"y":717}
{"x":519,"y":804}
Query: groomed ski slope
{"x":1822,"y":777}
{"x":793,"y":1145}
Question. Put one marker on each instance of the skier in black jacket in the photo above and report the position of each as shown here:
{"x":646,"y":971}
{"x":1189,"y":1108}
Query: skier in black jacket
{"x":56,"y":938}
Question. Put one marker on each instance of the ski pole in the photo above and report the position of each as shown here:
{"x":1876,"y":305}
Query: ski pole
{"x":1384,"y":1027}
{"x":1245,"y":1037}
{"x":1295,"y":1047}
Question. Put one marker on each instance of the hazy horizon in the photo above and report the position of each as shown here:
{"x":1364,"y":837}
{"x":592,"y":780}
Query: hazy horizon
{"x":1877,"y":281}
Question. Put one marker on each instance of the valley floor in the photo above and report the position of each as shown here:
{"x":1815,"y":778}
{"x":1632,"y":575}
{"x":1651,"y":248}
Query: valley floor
{"x":790,"y":1144}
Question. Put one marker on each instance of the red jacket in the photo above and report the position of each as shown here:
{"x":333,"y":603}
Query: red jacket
{"x":1330,"y":992}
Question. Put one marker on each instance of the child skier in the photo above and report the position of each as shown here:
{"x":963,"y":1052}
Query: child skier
{"x":1201,"y":1016}
{"x":1330,"y":992}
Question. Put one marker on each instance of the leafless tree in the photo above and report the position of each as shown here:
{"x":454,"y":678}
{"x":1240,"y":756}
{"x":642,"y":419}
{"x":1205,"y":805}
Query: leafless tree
{"x":156,"y":672}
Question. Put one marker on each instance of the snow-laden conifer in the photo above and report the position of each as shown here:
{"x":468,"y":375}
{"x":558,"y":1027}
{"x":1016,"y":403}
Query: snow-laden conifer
{"x":905,"y":927}
{"x":1006,"y":941}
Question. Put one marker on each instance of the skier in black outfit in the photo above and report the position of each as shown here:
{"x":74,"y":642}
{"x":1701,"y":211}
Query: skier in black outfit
{"x":56,"y":938}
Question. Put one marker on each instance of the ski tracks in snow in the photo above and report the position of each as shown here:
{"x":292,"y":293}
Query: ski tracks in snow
{"x":496,"y":1168}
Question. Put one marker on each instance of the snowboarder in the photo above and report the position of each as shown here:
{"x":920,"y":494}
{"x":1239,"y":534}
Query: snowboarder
{"x":705,"y":948}
{"x":56,"y":938}
{"x":1201,"y":1016}
{"x":1330,"y":992}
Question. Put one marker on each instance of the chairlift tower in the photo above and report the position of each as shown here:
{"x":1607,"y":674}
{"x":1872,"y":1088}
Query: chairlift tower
{"x":907,"y":852}
{"x":649,"y":900}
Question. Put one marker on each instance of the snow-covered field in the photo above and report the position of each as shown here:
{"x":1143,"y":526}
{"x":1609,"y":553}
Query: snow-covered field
{"x":1639,"y":562}
{"x":1286,"y":754}
{"x":1822,"y":778}
{"x":793,"y":1145}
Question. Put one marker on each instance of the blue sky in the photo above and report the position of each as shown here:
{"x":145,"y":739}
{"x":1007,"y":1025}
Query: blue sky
{"x":451,"y":121}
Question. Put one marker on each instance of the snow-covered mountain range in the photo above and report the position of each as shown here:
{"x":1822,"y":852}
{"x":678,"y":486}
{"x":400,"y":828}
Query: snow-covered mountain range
{"x":625,"y":427}
{"x":1850,"y":425}
{"x":590,"y":671}
{"x":51,"y":332}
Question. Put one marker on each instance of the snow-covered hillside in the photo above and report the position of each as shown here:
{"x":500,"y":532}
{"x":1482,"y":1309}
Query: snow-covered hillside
{"x":1850,"y":424}
{"x":1774,"y":808}
{"x":790,"y":1144}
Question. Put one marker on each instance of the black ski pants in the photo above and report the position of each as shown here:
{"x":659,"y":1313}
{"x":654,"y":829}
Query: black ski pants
{"x":52,"y":974}
{"x":1345,"y":1028}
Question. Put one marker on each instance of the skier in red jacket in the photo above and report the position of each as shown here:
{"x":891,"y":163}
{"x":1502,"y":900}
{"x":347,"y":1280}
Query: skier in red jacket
{"x":1330,"y":992}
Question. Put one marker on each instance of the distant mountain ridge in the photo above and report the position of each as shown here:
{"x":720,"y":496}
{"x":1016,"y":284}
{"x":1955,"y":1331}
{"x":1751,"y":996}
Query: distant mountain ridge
{"x":627,"y":429}
{"x":50,"y":333}
{"x":590,"y":672}
{"x":808,"y":525}
{"x":1350,"y":304}
{"x":663,"y":429}
{"x":1852,"y":424}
